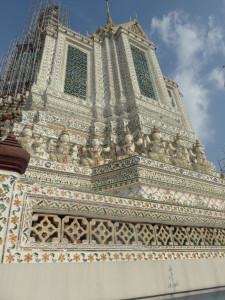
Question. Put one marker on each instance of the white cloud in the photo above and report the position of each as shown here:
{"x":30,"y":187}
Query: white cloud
{"x":217,"y":77}
{"x":193,"y":46}
{"x":214,"y":39}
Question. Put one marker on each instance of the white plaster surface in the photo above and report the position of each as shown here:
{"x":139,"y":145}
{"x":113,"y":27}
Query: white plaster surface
{"x":117,"y":280}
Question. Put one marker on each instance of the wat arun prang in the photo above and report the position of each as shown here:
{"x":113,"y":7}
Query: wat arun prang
{"x":116,"y":171}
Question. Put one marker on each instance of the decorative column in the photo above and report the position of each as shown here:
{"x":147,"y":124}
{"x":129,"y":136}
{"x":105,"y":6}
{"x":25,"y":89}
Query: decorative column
{"x":43,"y":76}
{"x":108,"y":77}
{"x":46,"y":62}
{"x":130,"y":73}
{"x":56,"y":63}
{"x":120,"y":101}
{"x":98,"y":77}
{"x":13,"y":163}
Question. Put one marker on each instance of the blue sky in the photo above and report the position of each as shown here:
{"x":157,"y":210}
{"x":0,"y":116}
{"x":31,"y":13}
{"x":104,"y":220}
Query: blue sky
{"x":190,"y":40}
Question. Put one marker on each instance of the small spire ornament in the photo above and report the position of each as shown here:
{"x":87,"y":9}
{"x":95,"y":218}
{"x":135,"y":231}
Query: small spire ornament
{"x":128,"y":130}
{"x":109,"y":19}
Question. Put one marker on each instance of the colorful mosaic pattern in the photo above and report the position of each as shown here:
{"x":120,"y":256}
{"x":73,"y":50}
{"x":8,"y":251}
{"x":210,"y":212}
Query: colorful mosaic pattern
{"x":76,"y":73}
{"x":7,"y":182}
{"x":102,"y":256}
{"x":30,"y":198}
{"x":143,"y":73}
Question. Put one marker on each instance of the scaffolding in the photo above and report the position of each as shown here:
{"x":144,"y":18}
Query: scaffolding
{"x":18,"y":67}
{"x":221,"y":161}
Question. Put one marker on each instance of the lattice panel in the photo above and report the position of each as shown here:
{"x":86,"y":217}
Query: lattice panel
{"x":76,"y":73}
{"x":220,"y":237}
{"x":179,"y":236}
{"x":80,"y":230}
{"x":163,"y":235}
{"x":195,"y":236}
{"x":124,"y":233}
{"x":209,"y":236}
{"x":75,"y":230}
{"x":145,"y":234}
{"x":143,"y":72}
{"x":45,"y":228}
{"x":102,"y":232}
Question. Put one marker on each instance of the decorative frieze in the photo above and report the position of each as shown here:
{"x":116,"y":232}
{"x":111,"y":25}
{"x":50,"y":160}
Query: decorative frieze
{"x":31,"y":200}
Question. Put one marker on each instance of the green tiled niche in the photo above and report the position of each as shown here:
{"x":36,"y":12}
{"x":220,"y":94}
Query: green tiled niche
{"x":76,"y":73}
{"x":143,"y":72}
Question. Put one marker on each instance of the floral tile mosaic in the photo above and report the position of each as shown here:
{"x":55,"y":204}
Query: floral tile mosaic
{"x":7,"y":182}
{"x":47,"y":198}
{"x":76,"y":257}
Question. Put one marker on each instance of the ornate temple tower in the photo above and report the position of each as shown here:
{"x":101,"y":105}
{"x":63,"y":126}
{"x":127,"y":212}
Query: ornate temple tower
{"x":116,"y":173}
{"x":108,"y":80}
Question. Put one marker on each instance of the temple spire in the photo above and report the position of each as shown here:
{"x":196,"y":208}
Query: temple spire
{"x":109,"y":19}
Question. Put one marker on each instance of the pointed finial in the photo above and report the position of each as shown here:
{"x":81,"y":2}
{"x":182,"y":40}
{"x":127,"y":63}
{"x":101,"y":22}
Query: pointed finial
{"x":128,"y":130}
{"x":136,"y":17}
{"x":109,"y":19}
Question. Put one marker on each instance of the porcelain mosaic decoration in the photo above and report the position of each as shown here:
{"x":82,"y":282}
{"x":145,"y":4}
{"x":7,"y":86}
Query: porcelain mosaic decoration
{"x":116,"y":170}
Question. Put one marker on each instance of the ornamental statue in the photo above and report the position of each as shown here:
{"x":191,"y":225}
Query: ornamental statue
{"x":39,"y":146}
{"x":112,"y":154}
{"x":179,"y":155}
{"x":157,"y":148}
{"x":52,"y":150}
{"x":142,"y":144}
{"x":74,"y":154}
{"x":200,"y":162}
{"x":26,"y":139}
{"x":93,"y":155}
{"x":128,"y":147}
{"x":63,"y":147}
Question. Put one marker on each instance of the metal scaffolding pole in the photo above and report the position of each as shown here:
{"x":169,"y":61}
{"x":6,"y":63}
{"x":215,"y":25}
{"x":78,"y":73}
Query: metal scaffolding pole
{"x":19,"y":67}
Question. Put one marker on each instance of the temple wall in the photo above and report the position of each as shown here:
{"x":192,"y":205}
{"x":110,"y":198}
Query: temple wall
{"x":119,"y":280}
